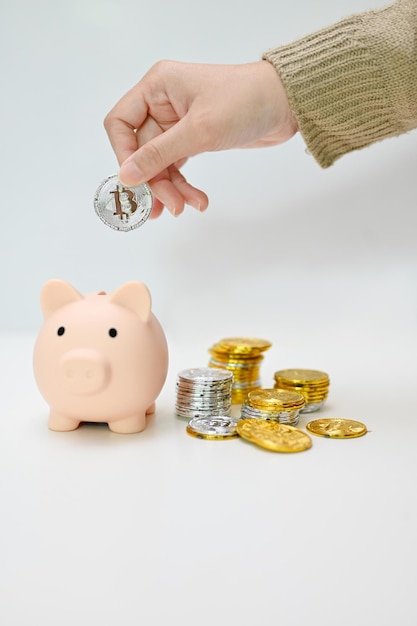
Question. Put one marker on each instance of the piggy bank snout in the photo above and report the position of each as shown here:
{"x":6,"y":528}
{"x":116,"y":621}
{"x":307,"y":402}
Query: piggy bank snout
{"x":84,"y":371}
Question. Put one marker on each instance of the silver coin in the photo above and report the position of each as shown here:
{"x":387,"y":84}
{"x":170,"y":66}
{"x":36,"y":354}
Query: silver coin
{"x":213,"y":426}
{"x":285,"y":417}
{"x":310,"y":407}
{"x":256,"y":384}
{"x":187,"y":414}
{"x":122,"y":208}
{"x":205,"y":374}
{"x":207,"y":404}
{"x":203,"y":391}
{"x":210,"y":403}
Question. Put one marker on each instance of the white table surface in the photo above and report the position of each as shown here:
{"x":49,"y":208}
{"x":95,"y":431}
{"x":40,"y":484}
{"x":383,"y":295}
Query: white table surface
{"x":161,"y":528}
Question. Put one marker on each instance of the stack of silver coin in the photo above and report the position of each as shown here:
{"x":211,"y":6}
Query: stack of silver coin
{"x":203,"y":391}
{"x":285,"y":417}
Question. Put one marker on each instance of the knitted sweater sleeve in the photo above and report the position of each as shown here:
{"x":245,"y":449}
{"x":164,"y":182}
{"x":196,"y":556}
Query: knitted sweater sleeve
{"x":353,"y":83}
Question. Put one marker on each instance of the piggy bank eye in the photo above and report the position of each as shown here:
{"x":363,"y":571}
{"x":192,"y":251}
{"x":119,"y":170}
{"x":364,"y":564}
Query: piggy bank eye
{"x":61,"y":331}
{"x":113,"y":332}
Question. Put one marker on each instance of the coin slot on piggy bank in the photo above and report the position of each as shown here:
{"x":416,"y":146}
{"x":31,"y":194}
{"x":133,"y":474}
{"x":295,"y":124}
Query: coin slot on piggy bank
{"x":99,"y":357}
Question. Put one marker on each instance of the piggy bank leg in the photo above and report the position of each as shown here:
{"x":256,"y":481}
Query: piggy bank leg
{"x":61,"y":423}
{"x":151,"y":409}
{"x":129,"y":425}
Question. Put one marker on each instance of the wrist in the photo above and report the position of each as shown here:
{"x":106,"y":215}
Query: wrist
{"x":278,"y":97}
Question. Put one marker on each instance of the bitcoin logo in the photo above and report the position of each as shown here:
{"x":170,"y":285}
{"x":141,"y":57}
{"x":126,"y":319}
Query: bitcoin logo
{"x":120,"y":207}
{"x":273,"y":435}
{"x":124,"y":201}
{"x":336,"y":428}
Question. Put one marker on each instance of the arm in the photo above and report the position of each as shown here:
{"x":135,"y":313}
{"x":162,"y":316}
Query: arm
{"x":353,"y":83}
{"x":344,"y":87}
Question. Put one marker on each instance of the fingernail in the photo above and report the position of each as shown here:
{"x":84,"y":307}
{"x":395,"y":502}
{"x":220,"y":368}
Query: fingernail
{"x":175,"y":210}
{"x":130,"y":174}
{"x":196,"y":205}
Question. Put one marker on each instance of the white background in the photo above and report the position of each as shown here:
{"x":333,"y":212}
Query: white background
{"x":103,"y":529}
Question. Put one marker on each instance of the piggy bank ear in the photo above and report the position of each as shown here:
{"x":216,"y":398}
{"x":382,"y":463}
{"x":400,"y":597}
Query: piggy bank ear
{"x":134,"y":296}
{"x":56,"y":294}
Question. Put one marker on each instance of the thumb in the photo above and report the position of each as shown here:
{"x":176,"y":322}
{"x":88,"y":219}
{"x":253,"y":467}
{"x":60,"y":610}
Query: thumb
{"x":158,"y":154}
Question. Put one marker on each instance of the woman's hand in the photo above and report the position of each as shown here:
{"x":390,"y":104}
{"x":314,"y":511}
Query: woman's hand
{"x":178,"y":110}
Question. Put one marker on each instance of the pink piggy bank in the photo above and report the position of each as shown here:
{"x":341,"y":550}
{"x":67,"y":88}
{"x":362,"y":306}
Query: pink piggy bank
{"x":99,"y":357}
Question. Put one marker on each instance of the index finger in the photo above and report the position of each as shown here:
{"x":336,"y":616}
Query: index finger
{"x":122,"y":121}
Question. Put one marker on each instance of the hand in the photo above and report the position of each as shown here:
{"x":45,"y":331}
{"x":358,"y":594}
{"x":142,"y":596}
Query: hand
{"x":178,"y":110}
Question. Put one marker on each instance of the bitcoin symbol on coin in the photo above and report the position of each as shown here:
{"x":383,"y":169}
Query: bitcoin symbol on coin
{"x":337,"y":428}
{"x":120,"y":207}
{"x":125,"y":204}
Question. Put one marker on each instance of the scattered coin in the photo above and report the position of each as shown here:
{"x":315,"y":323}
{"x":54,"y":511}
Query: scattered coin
{"x":336,"y":428}
{"x":273,"y":435}
{"x":122,"y":208}
{"x":214,"y":427}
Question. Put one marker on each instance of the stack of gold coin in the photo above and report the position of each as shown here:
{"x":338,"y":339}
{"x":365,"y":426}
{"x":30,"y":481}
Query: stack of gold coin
{"x":243,"y":357}
{"x":312,"y":384}
{"x":273,"y":404}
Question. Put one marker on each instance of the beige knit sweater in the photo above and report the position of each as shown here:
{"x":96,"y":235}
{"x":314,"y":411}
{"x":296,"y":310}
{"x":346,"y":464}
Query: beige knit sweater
{"x":355,"y":82}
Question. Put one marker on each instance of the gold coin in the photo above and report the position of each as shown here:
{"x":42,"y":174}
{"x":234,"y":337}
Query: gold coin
{"x":309,"y":394}
{"x":275,"y":398}
{"x":336,"y":428}
{"x":243,"y":344}
{"x":273,"y":436}
{"x":248,"y":380}
{"x":312,"y":397}
{"x":301,"y":376}
{"x":296,"y":385}
{"x":239,"y":395}
{"x":239,"y":360}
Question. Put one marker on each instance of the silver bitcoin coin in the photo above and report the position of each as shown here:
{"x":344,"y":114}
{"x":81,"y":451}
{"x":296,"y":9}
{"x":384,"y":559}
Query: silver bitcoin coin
{"x":213,"y":427}
{"x":120,"y":207}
